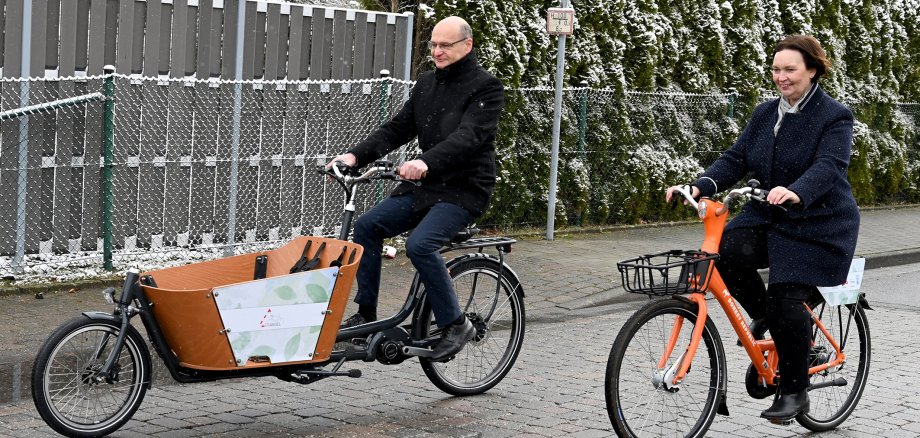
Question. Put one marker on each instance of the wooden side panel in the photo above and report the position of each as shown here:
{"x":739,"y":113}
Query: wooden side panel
{"x":188,"y":314}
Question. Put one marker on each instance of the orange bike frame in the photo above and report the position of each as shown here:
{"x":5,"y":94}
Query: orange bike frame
{"x":714,"y":215}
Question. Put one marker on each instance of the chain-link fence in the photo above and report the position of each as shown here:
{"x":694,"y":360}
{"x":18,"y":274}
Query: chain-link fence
{"x":199,"y":169}
{"x":616,"y":150}
{"x":202,"y":169}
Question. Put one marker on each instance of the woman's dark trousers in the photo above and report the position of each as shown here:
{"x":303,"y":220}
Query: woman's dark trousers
{"x":742,"y":252}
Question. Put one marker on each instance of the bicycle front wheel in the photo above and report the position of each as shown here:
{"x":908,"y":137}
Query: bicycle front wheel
{"x":65,"y":389}
{"x":642,"y":400}
{"x":496,"y":309}
{"x":833,"y":393}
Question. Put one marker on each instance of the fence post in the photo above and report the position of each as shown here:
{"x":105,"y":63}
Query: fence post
{"x":236,"y":127}
{"x":583,"y":120}
{"x":19,"y":259}
{"x":108,"y":155}
{"x":557,"y":125}
{"x":383,"y":115}
{"x":732,"y":98}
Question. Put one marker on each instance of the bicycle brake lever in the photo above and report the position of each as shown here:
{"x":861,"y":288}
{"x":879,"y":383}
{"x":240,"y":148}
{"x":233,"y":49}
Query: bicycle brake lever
{"x":410,"y":181}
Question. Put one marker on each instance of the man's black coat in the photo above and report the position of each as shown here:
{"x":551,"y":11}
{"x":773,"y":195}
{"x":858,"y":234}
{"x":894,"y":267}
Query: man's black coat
{"x":454,"y":113}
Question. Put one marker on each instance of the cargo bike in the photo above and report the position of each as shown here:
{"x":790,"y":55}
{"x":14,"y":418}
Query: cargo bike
{"x":272,"y":313}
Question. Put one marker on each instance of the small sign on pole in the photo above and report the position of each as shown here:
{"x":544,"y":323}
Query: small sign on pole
{"x":560,"y":21}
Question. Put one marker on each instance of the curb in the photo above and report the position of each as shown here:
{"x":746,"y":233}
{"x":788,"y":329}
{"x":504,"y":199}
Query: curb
{"x":35,"y":288}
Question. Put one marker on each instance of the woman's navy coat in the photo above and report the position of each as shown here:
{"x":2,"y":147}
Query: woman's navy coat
{"x":814,"y":242}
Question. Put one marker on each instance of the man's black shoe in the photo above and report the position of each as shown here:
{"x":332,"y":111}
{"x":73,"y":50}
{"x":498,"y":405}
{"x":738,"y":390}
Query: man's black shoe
{"x":758,"y":327}
{"x":353,"y":321}
{"x":787,"y":406}
{"x":453,"y":338}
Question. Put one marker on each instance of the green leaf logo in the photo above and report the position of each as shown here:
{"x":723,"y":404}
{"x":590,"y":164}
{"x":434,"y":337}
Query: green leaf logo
{"x":285,"y":293}
{"x":317,"y":293}
{"x":241,"y":341}
{"x":262,"y":350}
{"x":291,"y":348}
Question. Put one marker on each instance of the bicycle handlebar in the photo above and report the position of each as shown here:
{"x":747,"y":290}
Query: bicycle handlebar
{"x":342,"y":173}
{"x":752,"y":192}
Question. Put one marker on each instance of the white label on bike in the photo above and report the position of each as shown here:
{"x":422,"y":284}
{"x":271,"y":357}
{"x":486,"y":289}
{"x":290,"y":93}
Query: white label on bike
{"x":848,"y":292}
{"x":278,"y":317}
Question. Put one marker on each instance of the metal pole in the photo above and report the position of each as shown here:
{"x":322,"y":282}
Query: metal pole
{"x":732,"y":98}
{"x":410,"y":36}
{"x":557,"y":123}
{"x":235,"y":139}
{"x":583,"y":120}
{"x":108,"y":157}
{"x":383,"y":115}
{"x":23,"y":170}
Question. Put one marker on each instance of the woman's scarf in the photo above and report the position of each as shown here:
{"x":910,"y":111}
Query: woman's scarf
{"x":784,"y":106}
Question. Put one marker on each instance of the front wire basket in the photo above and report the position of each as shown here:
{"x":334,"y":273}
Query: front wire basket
{"x":667,"y":273}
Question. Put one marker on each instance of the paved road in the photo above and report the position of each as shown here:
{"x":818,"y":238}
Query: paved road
{"x":555,"y":389}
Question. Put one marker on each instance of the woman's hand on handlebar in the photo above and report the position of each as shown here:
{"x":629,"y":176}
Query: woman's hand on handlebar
{"x":671,"y":193}
{"x":413,"y":170}
{"x":779,"y":195}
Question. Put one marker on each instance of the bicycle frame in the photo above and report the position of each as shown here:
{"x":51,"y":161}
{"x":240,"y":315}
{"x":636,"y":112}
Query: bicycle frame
{"x":714,"y":215}
{"x":387,"y":171}
{"x":133,"y":302}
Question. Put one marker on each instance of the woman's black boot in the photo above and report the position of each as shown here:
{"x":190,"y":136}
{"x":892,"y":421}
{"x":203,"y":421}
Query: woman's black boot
{"x":787,"y":406}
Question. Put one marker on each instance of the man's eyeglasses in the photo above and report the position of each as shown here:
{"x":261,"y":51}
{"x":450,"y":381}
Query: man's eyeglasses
{"x":443,"y":46}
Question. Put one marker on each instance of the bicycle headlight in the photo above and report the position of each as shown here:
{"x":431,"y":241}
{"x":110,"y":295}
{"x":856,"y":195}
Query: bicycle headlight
{"x":109,"y":295}
{"x":701,"y":211}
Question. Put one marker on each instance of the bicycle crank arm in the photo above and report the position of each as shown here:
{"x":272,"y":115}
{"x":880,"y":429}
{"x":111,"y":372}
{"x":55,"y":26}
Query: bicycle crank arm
{"x":418,"y":351}
{"x":840,"y":381}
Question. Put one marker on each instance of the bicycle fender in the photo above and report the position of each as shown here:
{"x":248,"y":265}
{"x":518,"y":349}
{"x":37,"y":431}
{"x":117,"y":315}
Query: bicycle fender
{"x":506,"y":270}
{"x":863,"y":302}
{"x":102,"y":316}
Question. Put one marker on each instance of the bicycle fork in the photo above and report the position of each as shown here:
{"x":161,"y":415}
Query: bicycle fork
{"x":674,"y":374}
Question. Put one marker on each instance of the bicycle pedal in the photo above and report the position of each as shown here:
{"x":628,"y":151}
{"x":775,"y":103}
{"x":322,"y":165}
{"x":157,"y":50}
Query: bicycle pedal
{"x":782,"y":422}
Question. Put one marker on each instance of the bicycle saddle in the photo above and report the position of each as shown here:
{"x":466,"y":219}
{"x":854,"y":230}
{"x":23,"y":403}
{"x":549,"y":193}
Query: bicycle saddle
{"x":465,"y":235}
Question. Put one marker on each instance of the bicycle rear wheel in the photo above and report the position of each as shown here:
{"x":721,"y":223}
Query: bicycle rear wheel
{"x":834,"y":393}
{"x":641,"y":401}
{"x":496,"y":310}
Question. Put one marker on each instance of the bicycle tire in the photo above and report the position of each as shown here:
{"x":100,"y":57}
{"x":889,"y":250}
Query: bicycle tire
{"x":498,"y":316}
{"x":71,"y":403}
{"x":831,"y":405}
{"x":634,"y":388}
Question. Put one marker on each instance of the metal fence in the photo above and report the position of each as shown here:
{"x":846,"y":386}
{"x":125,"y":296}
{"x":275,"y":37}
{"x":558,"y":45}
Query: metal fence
{"x":201,"y":38}
{"x":197,"y":167}
{"x":205,"y":168}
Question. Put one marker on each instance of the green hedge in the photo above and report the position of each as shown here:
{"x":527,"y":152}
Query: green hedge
{"x":637,"y":144}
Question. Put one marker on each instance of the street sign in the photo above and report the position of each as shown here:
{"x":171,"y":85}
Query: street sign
{"x":560,"y":21}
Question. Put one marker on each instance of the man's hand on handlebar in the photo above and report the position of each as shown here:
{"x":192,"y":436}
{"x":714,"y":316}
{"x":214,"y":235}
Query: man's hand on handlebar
{"x":670,"y":193}
{"x":348,"y":158}
{"x":779,"y":195}
{"x":413,"y":170}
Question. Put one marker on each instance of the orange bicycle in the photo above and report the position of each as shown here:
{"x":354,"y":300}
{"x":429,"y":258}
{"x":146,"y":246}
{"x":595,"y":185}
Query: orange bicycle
{"x":666,"y":373}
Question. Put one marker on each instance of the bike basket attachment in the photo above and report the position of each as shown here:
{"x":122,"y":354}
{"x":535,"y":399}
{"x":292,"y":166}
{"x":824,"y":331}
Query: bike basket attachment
{"x":667,"y":273}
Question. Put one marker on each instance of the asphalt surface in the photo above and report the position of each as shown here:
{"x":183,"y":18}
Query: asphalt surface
{"x":575,"y":306}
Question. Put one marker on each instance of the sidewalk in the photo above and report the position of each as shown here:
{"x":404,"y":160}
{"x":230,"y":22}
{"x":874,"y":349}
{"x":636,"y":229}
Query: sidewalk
{"x":572,"y":272}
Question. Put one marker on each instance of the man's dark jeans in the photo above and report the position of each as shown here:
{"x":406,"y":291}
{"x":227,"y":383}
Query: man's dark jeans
{"x":433,"y":228}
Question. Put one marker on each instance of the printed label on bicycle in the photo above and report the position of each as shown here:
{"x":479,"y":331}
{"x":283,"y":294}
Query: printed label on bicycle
{"x":848,"y":292}
{"x":279,"y":317}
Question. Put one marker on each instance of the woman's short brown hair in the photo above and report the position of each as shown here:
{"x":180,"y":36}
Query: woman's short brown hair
{"x":811,"y":51}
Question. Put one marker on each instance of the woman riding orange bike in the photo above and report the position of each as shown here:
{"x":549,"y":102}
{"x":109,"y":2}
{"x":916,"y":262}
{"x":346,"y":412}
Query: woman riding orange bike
{"x":799,"y":147}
